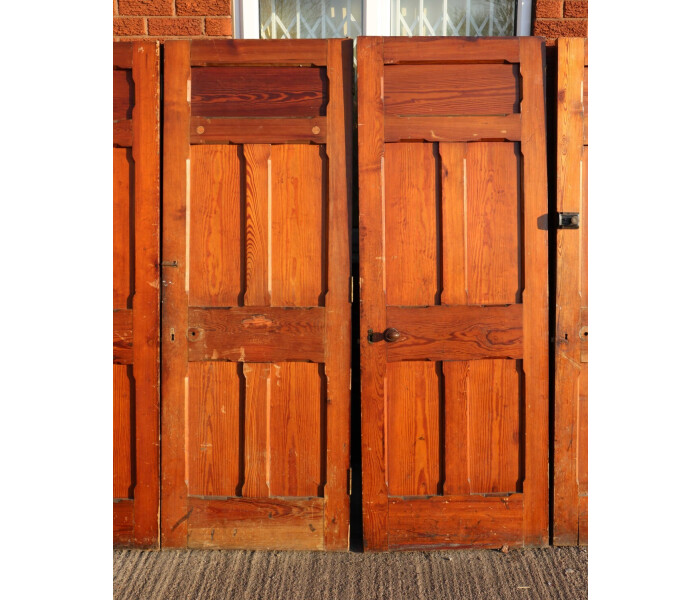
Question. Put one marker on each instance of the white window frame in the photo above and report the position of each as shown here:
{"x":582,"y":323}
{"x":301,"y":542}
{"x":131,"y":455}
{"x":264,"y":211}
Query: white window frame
{"x":376,"y":17}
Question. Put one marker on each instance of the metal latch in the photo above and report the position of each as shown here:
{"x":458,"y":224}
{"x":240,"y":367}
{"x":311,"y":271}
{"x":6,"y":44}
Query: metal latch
{"x":568,"y":220}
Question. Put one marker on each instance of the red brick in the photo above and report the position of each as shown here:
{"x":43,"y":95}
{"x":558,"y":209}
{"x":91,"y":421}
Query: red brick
{"x":116,"y":10}
{"x":174,"y":26}
{"x":576,"y":9}
{"x":556,"y":28}
{"x":549,"y":8}
{"x":216,"y":26}
{"x":146,"y":7}
{"x":203,"y":7}
{"x":128,"y":26}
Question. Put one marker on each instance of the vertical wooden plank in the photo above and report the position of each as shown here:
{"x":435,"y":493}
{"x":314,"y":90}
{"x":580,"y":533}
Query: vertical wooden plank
{"x":493,"y":241}
{"x":215,"y":230}
{"x":338,"y":319}
{"x":257,"y":225}
{"x":493,"y":432}
{"x":456,"y":450}
{"x":535,"y":293}
{"x":296,"y":402}
{"x":122,"y":479}
{"x":299,"y":225}
{"x":214,"y":429}
{"x":146,"y":311}
{"x":176,"y":151}
{"x":257,"y":430}
{"x":412,"y":271}
{"x":122,"y":263}
{"x":370,"y":131}
{"x":413,"y":428}
{"x":571,"y":271}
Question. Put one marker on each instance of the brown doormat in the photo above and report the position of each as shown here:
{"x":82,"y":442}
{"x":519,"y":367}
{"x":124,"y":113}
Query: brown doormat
{"x":480,"y":574}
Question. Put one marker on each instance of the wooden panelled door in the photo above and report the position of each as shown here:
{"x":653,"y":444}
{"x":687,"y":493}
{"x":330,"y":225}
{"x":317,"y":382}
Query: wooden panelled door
{"x":453,"y":292}
{"x":571,"y":357}
{"x":256,"y":287}
{"x":136,"y":300}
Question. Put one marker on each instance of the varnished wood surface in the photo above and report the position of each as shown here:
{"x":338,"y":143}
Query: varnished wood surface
{"x":123,"y":523}
{"x":259,"y":92}
{"x":460,"y":522}
{"x":455,"y":332}
{"x":251,"y":130}
{"x":123,"y":337}
{"x":122,"y":436}
{"x":448,"y":50}
{"x":571,"y":357}
{"x":259,"y":52}
{"x":122,"y":55}
{"x":123,"y":228}
{"x":123,"y":133}
{"x":257,"y":334}
{"x":123,"y":94}
{"x":452,"y":129}
{"x":478,"y":89}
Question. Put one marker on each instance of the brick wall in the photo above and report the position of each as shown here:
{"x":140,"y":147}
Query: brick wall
{"x":560,"y":18}
{"x":171,"y":19}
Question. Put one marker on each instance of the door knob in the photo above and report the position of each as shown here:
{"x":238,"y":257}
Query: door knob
{"x":389,"y":335}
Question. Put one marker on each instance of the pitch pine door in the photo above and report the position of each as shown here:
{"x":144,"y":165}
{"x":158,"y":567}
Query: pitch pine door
{"x":453,"y":292}
{"x":256,"y":288}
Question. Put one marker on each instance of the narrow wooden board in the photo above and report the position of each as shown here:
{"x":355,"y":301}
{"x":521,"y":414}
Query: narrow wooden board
{"x":445,"y":50}
{"x":253,"y":52}
{"x":123,"y":336}
{"x":481,"y":89}
{"x":123,"y":228}
{"x":122,"y":426}
{"x":452,"y":129}
{"x":257,"y":334}
{"x":455,"y":332}
{"x":259,"y":92}
{"x":251,"y":130}
{"x":257,"y":430}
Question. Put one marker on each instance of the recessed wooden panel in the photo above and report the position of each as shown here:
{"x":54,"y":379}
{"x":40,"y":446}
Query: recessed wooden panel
{"x":493,"y":221}
{"x":452,"y":129}
{"x":123,"y":336}
{"x":123,"y":94}
{"x":411,"y":216}
{"x":123,"y":228}
{"x":454,"y":90}
{"x":216,"y":235}
{"x":256,"y":52}
{"x":299,"y":224}
{"x":413,"y":428}
{"x":123,"y":424}
{"x":297,"y":432}
{"x":215,"y":429}
{"x":259,"y":91}
{"x":257,"y":430}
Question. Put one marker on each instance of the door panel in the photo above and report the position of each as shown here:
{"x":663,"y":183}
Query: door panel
{"x":136,"y":293}
{"x":571,"y":357}
{"x":256,"y":325}
{"x":454,"y":257}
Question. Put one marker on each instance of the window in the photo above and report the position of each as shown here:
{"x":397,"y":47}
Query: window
{"x":292,"y":19}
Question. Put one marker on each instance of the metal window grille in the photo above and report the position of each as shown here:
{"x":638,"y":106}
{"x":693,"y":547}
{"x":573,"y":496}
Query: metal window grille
{"x":296,"y":19}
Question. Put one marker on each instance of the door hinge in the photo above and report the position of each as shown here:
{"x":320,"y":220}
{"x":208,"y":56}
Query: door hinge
{"x":568,"y":220}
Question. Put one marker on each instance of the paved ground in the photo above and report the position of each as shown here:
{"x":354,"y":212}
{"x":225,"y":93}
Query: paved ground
{"x":480,"y":574}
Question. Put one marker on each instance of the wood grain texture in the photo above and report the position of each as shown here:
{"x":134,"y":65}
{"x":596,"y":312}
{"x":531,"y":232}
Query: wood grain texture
{"x":251,"y":130}
{"x":123,"y":422}
{"x":337,"y":300}
{"x":257,"y":334}
{"x":493,"y":402}
{"x":571,"y":356}
{"x":535,"y":294}
{"x":446,"y":50}
{"x":122,"y":94}
{"x":412,"y":250}
{"x":452,"y":129}
{"x":146,"y":311}
{"x":299,"y":225}
{"x":122,"y":55}
{"x":413,"y":428}
{"x":123,"y":228}
{"x":370,"y":132}
{"x":456,"y":447}
{"x":259,"y":92}
{"x":460,"y":522}
{"x":214,"y":453}
{"x":481,"y":89}
{"x":123,"y":336}
{"x":216,"y":276}
{"x":455,"y":332}
{"x":176,"y":153}
{"x":260,"y":524}
{"x":297,"y":415}
{"x":256,"y":52}
{"x":123,"y":523}
{"x":493,"y":217}
{"x":257,"y":430}
{"x":123,"y":133}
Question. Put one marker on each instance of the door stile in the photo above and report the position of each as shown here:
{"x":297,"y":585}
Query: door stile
{"x":370,"y":128}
